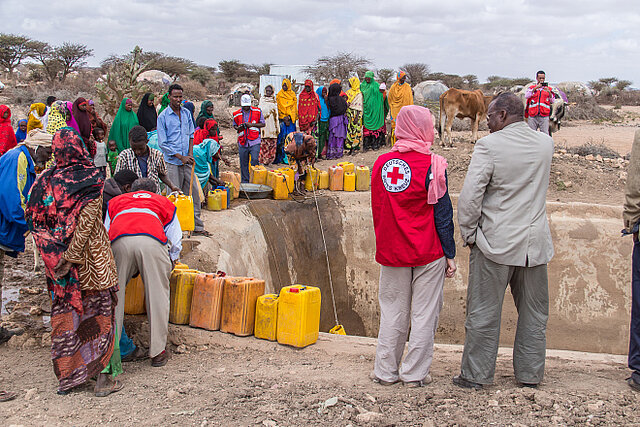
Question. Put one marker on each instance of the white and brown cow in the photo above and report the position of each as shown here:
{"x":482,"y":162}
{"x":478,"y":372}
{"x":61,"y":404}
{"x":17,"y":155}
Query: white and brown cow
{"x":462,"y":104}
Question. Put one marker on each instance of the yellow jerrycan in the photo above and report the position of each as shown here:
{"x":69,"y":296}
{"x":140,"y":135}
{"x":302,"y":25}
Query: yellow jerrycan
{"x":323,"y":180}
{"x":184,"y":210}
{"x":214,"y":203}
{"x":349,"y":182}
{"x":298,"y":315}
{"x":279,"y":185}
{"x":291,"y":175}
{"x":266,"y":317}
{"x":259,"y":175}
{"x":311,"y":179}
{"x":180,"y":294}
{"x":347,"y":166}
{"x":363,"y":178}
{"x":134,"y":297}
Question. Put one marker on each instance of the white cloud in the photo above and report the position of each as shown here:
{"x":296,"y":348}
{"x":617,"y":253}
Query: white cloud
{"x":571,"y":40}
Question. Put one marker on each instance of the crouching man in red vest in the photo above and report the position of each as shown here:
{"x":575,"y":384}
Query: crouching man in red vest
{"x":413,"y":223}
{"x":146,"y":238}
{"x":247,"y":121}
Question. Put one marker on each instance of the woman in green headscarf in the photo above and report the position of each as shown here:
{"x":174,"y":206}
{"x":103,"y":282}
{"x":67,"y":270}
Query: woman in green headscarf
{"x":374,"y":128}
{"x":206,"y":111}
{"x":164,"y":103}
{"x":124,"y":121}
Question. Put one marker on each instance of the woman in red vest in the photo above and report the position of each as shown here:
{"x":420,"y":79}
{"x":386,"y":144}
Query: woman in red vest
{"x":413,"y":222}
{"x":247,"y":121}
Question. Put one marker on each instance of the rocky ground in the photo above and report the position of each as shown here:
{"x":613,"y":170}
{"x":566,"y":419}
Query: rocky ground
{"x":233,"y":381}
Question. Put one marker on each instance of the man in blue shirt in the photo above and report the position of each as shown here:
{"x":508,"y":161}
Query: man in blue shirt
{"x":175,"y":139}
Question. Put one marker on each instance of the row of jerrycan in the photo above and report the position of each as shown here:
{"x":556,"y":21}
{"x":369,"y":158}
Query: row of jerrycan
{"x":280,"y":180}
{"x":291,"y":318}
{"x":344,"y":176}
{"x":236,"y":305}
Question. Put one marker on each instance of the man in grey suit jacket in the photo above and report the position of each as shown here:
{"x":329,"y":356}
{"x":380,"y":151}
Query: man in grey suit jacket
{"x":503,"y":219}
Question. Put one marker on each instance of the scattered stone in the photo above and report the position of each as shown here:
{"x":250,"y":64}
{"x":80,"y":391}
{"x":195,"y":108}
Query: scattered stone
{"x":182,"y":349}
{"x":492,"y":403}
{"x":568,"y":184}
{"x":322,"y":406}
{"x":371,"y":398}
{"x":599,"y":158}
{"x":562,"y":151}
{"x":575,"y":156}
{"x":596,"y":406}
{"x":428,"y":423}
{"x":46,"y":339}
{"x":30,"y":291}
{"x":623,"y":175}
{"x":369,"y":417}
{"x":543,"y":399}
{"x":221,"y":370}
{"x":556,"y":155}
{"x":589,"y":157}
{"x":31,"y":394}
{"x":269,"y":423}
{"x":35,"y":311}
{"x":172,"y":394}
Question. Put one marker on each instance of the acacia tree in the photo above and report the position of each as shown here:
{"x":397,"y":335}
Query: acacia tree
{"x":385,"y":74}
{"x":340,"y":66}
{"x":232,"y":70}
{"x":45,"y":54}
{"x":13,"y":50}
{"x":416,"y":71}
{"x":71,"y":56}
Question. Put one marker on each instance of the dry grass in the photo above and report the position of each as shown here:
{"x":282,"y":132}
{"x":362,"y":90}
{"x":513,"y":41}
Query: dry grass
{"x":595,"y":149}
{"x":586,"y":108}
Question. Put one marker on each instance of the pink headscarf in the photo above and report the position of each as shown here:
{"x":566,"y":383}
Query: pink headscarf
{"x":414,"y":132}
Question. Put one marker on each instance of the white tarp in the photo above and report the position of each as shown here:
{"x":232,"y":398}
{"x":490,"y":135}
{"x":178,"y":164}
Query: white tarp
{"x":270,"y":79}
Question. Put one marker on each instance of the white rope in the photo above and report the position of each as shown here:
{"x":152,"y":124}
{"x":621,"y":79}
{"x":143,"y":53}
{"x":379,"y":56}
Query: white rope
{"x":324,"y":242}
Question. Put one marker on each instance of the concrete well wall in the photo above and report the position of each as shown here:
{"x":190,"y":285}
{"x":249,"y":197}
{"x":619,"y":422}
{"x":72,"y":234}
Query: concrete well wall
{"x":280,"y":241}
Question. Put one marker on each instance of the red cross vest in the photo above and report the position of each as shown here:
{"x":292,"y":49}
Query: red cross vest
{"x":253,"y":133}
{"x":140,"y":213}
{"x":402,"y":219}
{"x":539,"y":104}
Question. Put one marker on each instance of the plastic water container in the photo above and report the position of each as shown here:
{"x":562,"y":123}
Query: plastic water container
{"x":232,"y":191}
{"x":347,"y":166}
{"x":234,"y":179}
{"x":291,"y":176}
{"x":134,"y":297}
{"x":323,"y":180}
{"x":184,"y":210}
{"x":279,"y":185}
{"x":259,"y":175}
{"x":363,"y":178}
{"x":206,"y":302}
{"x":266,"y":317}
{"x":336,"y":178}
{"x":298,"y":315}
{"x":223,"y":198}
{"x":239,"y":298}
{"x":214,"y":200}
{"x":228,"y":197}
{"x":181,"y":292}
{"x":349,"y":182}
{"x":311,"y":179}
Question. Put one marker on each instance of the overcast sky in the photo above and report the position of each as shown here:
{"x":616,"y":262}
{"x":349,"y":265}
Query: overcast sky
{"x":570,"y":40}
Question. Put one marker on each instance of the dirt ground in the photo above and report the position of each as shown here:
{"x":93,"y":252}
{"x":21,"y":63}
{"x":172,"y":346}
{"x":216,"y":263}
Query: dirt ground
{"x":233,"y":381}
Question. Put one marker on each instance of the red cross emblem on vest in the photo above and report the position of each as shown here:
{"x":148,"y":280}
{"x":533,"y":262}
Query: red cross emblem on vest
{"x":396,"y":175}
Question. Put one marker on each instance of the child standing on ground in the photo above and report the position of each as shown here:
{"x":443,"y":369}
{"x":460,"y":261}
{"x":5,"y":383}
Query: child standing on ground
{"x":112,"y":156}
{"x":100,"y":159}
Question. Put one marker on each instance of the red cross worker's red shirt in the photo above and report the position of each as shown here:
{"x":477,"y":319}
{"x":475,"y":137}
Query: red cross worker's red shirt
{"x":403,"y":220}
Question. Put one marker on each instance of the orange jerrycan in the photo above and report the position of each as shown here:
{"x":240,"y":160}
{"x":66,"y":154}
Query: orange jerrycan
{"x":206,"y":303}
{"x":323,"y":180}
{"x":349,"y":182}
{"x":298,"y":315}
{"x":259,"y":175}
{"x":363,"y":178}
{"x":347,"y":166}
{"x":266,"y":317}
{"x":184,"y":210}
{"x":223,"y":198}
{"x":181,"y":292}
{"x":336,"y":177}
{"x":234,"y":179}
{"x":239,"y":298}
{"x":134,"y":296}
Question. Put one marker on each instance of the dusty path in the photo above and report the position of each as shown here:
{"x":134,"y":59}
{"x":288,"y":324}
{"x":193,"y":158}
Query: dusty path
{"x":245,"y":381}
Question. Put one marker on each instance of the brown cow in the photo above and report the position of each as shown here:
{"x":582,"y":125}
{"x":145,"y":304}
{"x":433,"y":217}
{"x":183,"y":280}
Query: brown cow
{"x":462,"y":104}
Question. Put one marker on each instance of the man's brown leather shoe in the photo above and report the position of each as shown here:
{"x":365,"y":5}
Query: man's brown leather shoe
{"x":160,"y":360}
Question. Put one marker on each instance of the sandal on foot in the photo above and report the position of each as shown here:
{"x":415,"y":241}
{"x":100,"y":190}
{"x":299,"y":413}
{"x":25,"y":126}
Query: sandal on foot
{"x":6,"y":396}
{"x":115,"y":387}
